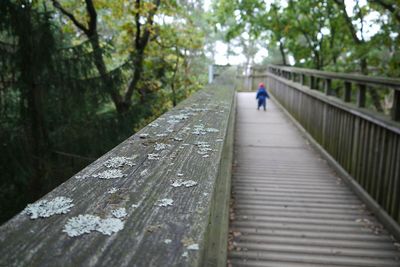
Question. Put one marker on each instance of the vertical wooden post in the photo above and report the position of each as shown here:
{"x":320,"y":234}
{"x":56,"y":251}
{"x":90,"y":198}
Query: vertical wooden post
{"x":395,"y":112}
{"x":303,"y":79}
{"x":328,"y":86}
{"x":361,"y":93}
{"x":347,"y":92}
{"x":312,"y":82}
{"x":293,"y":76}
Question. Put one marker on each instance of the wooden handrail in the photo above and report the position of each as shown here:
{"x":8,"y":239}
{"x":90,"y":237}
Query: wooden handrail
{"x":363,"y":82}
{"x":354,"y":78}
{"x":151,"y":201}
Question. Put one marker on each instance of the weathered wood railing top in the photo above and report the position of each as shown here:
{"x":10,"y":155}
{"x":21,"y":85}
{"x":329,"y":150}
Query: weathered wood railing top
{"x":147,"y":202}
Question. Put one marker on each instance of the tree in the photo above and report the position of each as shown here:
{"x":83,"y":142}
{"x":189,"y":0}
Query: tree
{"x":140,"y":42}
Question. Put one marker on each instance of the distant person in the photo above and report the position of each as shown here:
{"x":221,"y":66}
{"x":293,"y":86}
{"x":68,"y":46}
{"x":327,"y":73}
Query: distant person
{"x":262,"y":96}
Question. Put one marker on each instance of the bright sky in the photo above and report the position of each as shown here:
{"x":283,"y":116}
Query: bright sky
{"x":370,"y":29}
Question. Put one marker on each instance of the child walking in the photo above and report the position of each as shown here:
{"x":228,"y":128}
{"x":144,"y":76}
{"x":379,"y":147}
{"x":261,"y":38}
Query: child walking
{"x":262,"y":96}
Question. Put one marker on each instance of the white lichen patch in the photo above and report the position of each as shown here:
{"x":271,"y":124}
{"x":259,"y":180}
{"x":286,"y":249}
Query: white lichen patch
{"x":134,"y":206}
{"x":180,"y":174}
{"x":119,"y":213}
{"x":203,"y":148}
{"x":189,"y":183}
{"x":173,"y":121}
{"x":160,"y":146}
{"x":178,"y":139}
{"x":81,"y":177}
{"x":167,"y":241}
{"x":212,"y":130}
{"x":193,"y":247}
{"x":206,"y":156}
{"x":199,"y":130}
{"x":110,"y":174}
{"x":144,"y":135}
{"x":165,"y":202}
{"x":144,"y":172}
{"x":185,"y":254}
{"x":109,"y":226}
{"x":154,"y":124}
{"x":202,"y":144}
{"x":162,"y":135}
{"x":153,"y":156}
{"x":179,"y":116}
{"x":47,"y":208}
{"x":118,"y":162}
{"x":185,"y":183}
{"x":112,"y":190}
{"x":219,"y":140}
{"x":84,"y":224}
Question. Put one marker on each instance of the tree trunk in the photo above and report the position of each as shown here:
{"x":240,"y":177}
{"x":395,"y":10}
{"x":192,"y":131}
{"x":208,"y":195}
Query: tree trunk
{"x":102,"y":69}
{"x":281,"y":49}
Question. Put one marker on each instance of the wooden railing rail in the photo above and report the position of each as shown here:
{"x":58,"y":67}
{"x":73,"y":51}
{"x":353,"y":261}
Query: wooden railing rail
{"x":363,"y":82}
{"x":160,"y":198}
{"x":365,"y":144}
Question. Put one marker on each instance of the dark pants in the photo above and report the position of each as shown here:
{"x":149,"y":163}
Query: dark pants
{"x":262,"y":102}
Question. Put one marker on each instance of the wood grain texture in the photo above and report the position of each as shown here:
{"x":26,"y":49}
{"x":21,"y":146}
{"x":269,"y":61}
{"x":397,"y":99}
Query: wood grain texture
{"x":291,"y":208}
{"x":41,"y":242}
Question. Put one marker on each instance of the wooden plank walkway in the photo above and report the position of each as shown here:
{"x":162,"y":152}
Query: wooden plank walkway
{"x":289,"y":207}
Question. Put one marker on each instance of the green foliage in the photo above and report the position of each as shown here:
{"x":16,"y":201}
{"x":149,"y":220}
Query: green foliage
{"x":57,"y":111}
{"x":317,"y":34}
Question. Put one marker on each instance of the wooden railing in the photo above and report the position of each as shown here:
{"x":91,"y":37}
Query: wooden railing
{"x":366,"y":144}
{"x":314,"y":78}
{"x":160,"y":198}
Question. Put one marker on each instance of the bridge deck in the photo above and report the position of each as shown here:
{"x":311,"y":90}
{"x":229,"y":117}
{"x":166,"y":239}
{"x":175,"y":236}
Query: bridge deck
{"x":290,"y":208}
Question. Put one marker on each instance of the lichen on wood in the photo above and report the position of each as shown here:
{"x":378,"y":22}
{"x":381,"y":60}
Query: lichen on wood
{"x":47,"y":208}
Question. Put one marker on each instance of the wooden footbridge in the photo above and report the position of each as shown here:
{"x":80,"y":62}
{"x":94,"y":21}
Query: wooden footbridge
{"x":313,"y":181}
{"x":290,"y":207}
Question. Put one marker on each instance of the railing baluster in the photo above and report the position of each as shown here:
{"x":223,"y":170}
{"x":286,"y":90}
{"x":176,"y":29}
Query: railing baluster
{"x":361,"y":93}
{"x":395,"y":113}
{"x":328,"y":86}
{"x":303,"y":79}
{"x":312,"y":82}
{"x":347,"y":92}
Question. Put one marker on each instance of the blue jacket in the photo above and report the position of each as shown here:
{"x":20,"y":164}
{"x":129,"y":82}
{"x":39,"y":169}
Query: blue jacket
{"x":262,"y":94}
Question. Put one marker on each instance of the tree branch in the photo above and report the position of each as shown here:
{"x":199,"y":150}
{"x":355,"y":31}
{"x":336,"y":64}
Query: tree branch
{"x":353,"y":32}
{"x":79,"y":25}
{"x":138,"y":25}
{"x":92,"y":17}
{"x":149,"y":23}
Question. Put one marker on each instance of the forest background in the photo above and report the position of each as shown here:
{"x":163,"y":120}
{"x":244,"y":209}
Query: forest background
{"x":77,"y":77}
